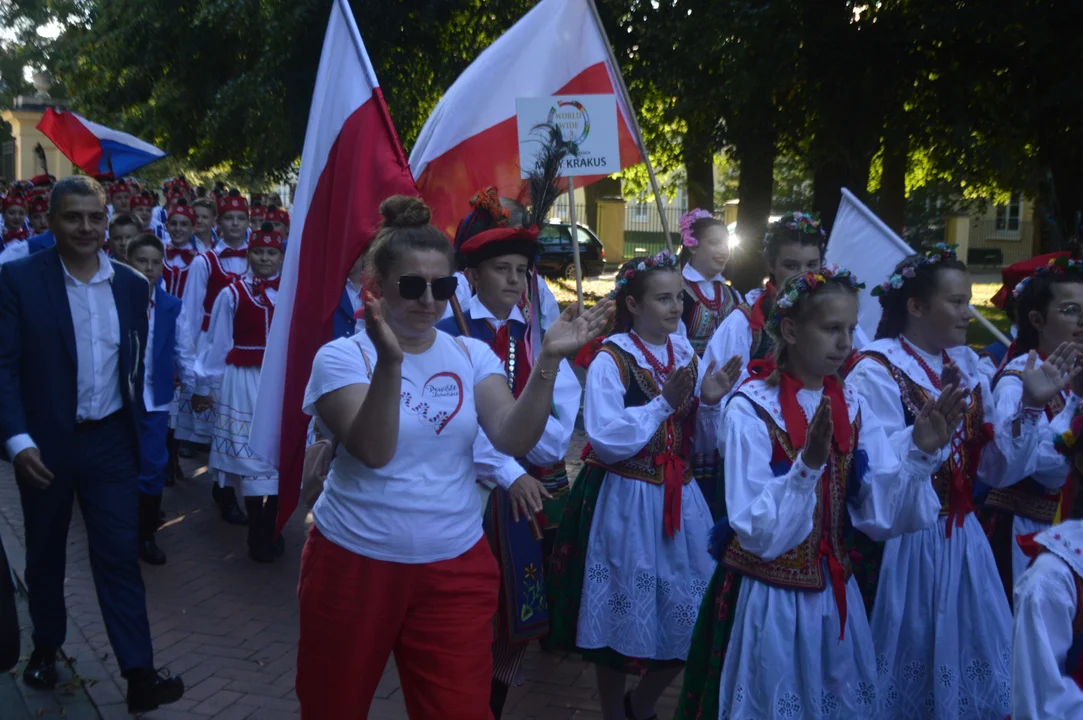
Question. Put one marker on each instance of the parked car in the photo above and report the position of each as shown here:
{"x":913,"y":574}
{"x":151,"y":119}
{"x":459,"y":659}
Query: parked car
{"x":556,"y":259}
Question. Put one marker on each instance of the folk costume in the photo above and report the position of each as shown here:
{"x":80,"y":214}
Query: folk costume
{"x":707,"y":302}
{"x":523,"y":613}
{"x":208,"y":274}
{"x":630,"y":565}
{"x":784,"y":614}
{"x":940,"y":619}
{"x":1047,"y":675}
{"x":230,"y":358}
{"x":1030,"y":505}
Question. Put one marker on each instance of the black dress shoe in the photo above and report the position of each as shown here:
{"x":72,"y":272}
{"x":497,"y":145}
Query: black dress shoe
{"x":278,"y":546}
{"x":232,"y":514}
{"x":40,"y":672}
{"x":147,"y":689}
{"x":185,"y":451}
{"x":150,"y":553}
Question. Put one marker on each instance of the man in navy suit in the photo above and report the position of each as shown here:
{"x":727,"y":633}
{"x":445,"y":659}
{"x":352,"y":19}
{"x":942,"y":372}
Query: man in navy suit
{"x":73,"y":328}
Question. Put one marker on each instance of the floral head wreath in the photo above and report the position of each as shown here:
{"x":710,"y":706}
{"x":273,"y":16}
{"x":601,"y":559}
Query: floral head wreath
{"x":808,"y":223}
{"x":664,"y":259}
{"x":1057,"y":267}
{"x":803,"y":285}
{"x":687,"y":221}
{"x":939,"y":253}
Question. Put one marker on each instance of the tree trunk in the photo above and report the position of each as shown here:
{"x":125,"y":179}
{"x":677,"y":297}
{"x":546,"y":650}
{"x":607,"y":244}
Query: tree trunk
{"x":604,"y":188}
{"x":757,"y":165}
{"x":699,"y":168}
{"x":892,"y":196}
{"x":1064,"y":157}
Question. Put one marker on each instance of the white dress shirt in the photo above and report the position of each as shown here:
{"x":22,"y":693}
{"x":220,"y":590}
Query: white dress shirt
{"x":97,"y":348}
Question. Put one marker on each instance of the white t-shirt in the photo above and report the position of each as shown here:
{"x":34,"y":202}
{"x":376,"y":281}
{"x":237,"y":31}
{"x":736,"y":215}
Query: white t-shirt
{"x":422,"y":506}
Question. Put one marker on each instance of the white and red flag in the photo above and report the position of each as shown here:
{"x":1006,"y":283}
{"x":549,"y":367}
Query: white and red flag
{"x":352,"y":160}
{"x":470,"y":141}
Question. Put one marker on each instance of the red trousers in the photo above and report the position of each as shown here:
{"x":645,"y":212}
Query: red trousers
{"x":437,"y":618}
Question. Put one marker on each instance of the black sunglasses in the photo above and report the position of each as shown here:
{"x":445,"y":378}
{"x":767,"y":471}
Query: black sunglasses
{"x":412,"y":287}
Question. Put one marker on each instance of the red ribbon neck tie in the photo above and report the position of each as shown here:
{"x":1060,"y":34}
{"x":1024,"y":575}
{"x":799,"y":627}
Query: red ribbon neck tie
{"x":261,"y":286}
{"x":173,"y":253}
{"x":838,"y":575}
{"x":672,"y":467}
{"x":794,"y":416}
{"x":759,"y":311}
{"x":501,"y":342}
{"x":1030,"y":548}
{"x":233,"y":252}
{"x":961,"y":490}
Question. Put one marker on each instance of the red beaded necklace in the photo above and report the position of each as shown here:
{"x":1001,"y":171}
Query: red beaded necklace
{"x":660,"y":372}
{"x":712,"y":305}
{"x":933,"y":378}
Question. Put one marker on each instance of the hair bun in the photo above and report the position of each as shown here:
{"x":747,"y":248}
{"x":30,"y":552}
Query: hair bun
{"x":405,"y":211}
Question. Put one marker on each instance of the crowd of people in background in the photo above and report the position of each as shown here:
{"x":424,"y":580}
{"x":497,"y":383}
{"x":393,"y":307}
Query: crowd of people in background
{"x":806,"y":521}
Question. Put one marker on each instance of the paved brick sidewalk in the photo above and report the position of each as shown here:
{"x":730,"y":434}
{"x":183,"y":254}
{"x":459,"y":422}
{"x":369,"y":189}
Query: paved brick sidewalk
{"x":229,"y":625}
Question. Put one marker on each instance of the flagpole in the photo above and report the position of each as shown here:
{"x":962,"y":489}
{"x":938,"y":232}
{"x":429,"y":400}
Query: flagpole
{"x":575,"y":243}
{"x":636,"y":130}
{"x":989,"y":326}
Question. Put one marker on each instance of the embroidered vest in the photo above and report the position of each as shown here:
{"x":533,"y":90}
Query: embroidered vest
{"x":251,"y":323}
{"x":1028,"y":498}
{"x":673,"y":437}
{"x":954,"y":480}
{"x":803,"y":567}
{"x":175,"y":278}
{"x":702,"y":315}
{"x":217,"y":281}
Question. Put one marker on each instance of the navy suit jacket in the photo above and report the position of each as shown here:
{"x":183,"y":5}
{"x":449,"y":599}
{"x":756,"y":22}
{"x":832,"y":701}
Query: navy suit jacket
{"x":344,"y":319}
{"x":167,"y":309}
{"x":38,"y":366}
{"x":41,"y":242}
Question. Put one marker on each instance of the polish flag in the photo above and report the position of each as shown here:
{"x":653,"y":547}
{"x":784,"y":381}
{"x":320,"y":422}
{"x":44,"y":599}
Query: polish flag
{"x":471,"y":141}
{"x":352,"y":160}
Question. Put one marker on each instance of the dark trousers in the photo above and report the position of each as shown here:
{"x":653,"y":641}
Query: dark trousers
{"x":103,"y":473}
{"x":155,"y":455}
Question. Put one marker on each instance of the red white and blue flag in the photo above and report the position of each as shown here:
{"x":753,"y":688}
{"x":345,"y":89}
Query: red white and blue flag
{"x":352,"y":160}
{"x":96,"y":149}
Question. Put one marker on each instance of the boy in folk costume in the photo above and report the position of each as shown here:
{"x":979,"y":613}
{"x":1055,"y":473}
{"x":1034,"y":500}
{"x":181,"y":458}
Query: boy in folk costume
{"x":230,"y":358}
{"x":257,"y":214}
{"x":38,"y":210}
{"x":708,"y":298}
{"x":807,"y":460}
{"x":1050,"y":312}
{"x":209,"y":274}
{"x":1047,"y":640}
{"x":120,"y":197}
{"x":498,"y":263}
{"x":940,"y":621}
{"x":165,"y":359}
{"x":142,"y":206}
{"x":205,"y":234}
{"x":123,"y":228}
{"x":280,"y":219}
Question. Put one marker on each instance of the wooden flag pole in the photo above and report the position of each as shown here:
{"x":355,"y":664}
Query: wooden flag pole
{"x":990,"y":326}
{"x":575,"y":243}
{"x":622,"y":88}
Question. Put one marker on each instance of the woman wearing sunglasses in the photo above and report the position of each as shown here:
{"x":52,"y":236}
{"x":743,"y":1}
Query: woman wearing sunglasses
{"x":396,"y":560}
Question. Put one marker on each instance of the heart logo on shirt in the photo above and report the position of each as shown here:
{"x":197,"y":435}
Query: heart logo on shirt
{"x":438,"y":402}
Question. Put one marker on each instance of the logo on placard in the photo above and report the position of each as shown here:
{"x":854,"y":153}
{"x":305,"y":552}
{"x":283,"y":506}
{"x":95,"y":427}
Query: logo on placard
{"x":572,"y":119}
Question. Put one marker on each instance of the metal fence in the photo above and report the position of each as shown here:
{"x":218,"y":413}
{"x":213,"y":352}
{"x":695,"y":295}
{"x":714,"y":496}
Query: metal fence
{"x":642,"y":225}
{"x":1000,"y":242}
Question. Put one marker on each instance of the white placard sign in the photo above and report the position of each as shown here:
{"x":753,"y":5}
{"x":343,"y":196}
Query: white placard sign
{"x":589,"y":121}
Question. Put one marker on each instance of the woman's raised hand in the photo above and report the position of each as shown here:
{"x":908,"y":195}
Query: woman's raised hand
{"x":572,"y":330}
{"x":386,"y":344}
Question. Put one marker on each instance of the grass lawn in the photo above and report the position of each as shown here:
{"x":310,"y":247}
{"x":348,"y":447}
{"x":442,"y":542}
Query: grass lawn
{"x":984,"y":287}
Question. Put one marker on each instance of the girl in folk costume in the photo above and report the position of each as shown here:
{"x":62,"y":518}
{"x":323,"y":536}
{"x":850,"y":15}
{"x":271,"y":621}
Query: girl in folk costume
{"x":708,"y":298}
{"x":231,"y":358}
{"x":498,"y":263}
{"x":1050,"y":312}
{"x":630,"y":564}
{"x":1047,"y":672}
{"x":940,"y":621}
{"x":794,"y":245}
{"x":783,"y":632}
{"x":14,"y":206}
{"x":209,"y":274}
{"x":38,"y":210}
{"x":12,"y":235}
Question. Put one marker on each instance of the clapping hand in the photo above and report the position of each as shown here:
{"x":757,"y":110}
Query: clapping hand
{"x":716,"y":385}
{"x":818,"y":438}
{"x":383,"y":339}
{"x":1041,"y":384}
{"x":936,"y":422}
{"x":951,"y":375}
{"x":572,"y":330}
{"x":678,"y":386}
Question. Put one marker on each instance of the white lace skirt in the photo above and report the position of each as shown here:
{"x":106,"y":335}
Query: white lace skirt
{"x":785,"y":659}
{"x":641,"y":589}
{"x":942,"y":628}
{"x":231,"y":454}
